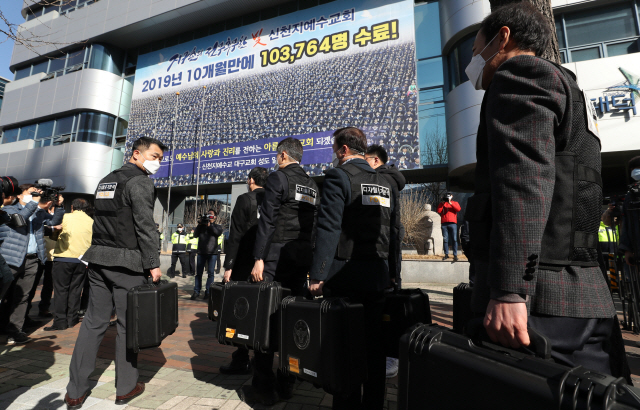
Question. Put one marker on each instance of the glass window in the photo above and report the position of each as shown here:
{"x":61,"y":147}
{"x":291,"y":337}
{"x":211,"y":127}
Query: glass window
{"x":433,"y":135}
{"x":45,"y":130}
{"x":40,"y":67}
{"x":430,"y":73}
{"x":560,"y":33}
{"x":430,"y":96}
{"x":105,"y":59}
{"x":600,"y":24}
{"x":23,"y":73}
{"x":585,"y":54}
{"x":620,"y":49}
{"x":67,"y":5}
{"x":64,"y":125}
{"x":33,"y":13}
{"x":10,"y":135}
{"x":427,"y":22}
{"x":57,"y":64}
{"x":122,"y":127}
{"x":458,"y":59}
{"x":76,"y":58}
{"x":96,"y":128}
{"x":28,"y":132}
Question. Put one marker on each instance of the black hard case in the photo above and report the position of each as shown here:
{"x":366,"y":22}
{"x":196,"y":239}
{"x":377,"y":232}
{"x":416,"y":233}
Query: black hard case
{"x":403,"y":309}
{"x":322,"y":341}
{"x":247,"y":313}
{"x":152,"y":314}
{"x":462,"y":313}
{"x":450,"y":372}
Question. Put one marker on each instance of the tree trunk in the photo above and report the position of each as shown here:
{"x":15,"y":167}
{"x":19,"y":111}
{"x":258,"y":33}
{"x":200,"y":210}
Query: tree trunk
{"x":552,"y":53}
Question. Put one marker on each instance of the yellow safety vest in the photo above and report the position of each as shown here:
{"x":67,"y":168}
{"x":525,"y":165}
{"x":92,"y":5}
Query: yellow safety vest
{"x":604,"y":236}
{"x":177,"y":238}
{"x":193,"y":242}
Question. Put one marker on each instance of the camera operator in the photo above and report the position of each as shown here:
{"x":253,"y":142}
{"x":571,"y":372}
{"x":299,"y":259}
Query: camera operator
{"x":630,"y":230}
{"x":207,"y":232}
{"x":448,"y":210}
{"x":24,"y":250}
{"x":10,"y":192}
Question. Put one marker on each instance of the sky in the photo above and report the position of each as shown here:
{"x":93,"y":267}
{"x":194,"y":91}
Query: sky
{"x":11,"y":10}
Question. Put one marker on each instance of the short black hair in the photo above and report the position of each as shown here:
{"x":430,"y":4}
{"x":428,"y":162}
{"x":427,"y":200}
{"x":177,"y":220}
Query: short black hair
{"x":80,"y":204}
{"x":142,"y":144}
{"x":259,"y":176}
{"x":292,"y":147}
{"x":530,"y":29}
{"x":634,"y":162}
{"x":352,"y":137}
{"x":212,"y":210}
{"x":378,"y":151}
{"x":24,"y":187}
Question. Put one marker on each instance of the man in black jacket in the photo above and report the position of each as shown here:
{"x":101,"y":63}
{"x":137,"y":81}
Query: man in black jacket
{"x":283,"y":248}
{"x":377,"y":158}
{"x":123,"y":253}
{"x":207,"y":232}
{"x":357,"y":212}
{"x":239,"y":261}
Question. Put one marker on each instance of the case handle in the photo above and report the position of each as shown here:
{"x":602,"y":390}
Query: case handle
{"x":539,"y":346}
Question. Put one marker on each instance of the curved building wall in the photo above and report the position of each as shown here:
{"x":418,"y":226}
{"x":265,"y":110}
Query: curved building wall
{"x":458,"y":18}
{"x":77,"y":165}
{"x":88,"y":89}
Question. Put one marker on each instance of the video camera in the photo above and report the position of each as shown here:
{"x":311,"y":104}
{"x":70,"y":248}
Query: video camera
{"x":206,"y":218}
{"x":49,"y":192}
{"x":10,"y":188}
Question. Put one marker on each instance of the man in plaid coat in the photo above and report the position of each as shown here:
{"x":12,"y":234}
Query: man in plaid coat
{"x":533,"y":219}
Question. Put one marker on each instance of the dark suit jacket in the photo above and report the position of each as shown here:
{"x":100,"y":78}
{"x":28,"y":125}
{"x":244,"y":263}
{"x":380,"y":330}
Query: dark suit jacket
{"x":526,"y":109}
{"x":353,"y":275}
{"x":242,"y":235}
{"x":208,"y":238}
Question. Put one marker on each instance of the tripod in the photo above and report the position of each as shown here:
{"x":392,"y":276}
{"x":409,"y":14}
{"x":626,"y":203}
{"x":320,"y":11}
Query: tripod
{"x":633,"y":225}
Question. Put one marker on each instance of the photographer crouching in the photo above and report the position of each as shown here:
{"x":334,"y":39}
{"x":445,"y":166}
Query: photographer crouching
{"x":23,"y":247}
{"x":207,"y":233}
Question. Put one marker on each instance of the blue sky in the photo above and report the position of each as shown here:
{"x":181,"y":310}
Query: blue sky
{"x":11,"y":10}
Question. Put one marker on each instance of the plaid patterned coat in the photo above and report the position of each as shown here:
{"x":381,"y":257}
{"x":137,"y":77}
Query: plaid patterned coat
{"x":525,"y":111}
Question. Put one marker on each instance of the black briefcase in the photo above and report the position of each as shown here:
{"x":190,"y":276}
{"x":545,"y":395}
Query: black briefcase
{"x":152,"y":314}
{"x":451,"y":372}
{"x":462,"y":313}
{"x":322,"y":342}
{"x":403,"y":309}
{"x":247,"y":313}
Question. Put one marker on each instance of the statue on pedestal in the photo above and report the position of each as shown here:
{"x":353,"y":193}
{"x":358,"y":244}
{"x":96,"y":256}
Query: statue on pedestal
{"x":431,"y":242}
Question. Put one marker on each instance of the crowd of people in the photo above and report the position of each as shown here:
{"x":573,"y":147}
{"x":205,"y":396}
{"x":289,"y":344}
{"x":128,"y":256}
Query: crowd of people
{"x":371,"y":89}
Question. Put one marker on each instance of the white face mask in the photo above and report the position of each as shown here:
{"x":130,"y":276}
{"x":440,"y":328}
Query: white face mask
{"x":151,"y":166}
{"x":179,"y":229}
{"x":27,"y":198}
{"x":635,"y":174}
{"x":476,"y":67}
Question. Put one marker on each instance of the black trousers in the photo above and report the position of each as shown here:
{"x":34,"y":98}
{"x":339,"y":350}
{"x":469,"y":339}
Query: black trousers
{"x":371,"y":396}
{"x":68,"y":281}
{"x":47,"y":287}
{"x":294,"y":279}
{"x":84,"y":301}
{"x":192,"y":261}
{"x":184,"y":262}
{"x":219,"y":263}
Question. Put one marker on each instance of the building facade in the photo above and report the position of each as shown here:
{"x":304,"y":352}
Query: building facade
{"x":598,"y":41}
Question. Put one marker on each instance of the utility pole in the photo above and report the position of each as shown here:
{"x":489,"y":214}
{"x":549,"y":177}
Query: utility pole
{"x":172,"y":158}
{"x":204,"y":96}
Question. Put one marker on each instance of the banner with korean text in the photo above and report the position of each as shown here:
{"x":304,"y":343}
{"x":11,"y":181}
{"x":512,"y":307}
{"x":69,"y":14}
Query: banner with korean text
{"x":303,"y":74}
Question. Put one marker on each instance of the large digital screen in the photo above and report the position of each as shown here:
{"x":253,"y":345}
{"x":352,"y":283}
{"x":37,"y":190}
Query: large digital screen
{"x":224,"y":101}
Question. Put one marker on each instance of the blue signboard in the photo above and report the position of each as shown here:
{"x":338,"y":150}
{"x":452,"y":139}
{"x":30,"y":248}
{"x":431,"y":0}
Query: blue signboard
{"x":304,"y":74}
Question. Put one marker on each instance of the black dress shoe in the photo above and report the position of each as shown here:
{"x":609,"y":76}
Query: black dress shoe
{"x":184,"y":276}
{"x":53,"y":328}
{"x":74,"y":404}
{"x":445,"y":258}
{"x":206,"y":296}
{"x":236,"y":368}
{"x":194,"y":296}
{"x":455,"y":259}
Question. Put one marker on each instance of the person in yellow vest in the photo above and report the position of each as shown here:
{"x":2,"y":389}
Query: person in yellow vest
{"x":192,"y":250}
{"x":609,"y":239}
{"x":179,"y":251}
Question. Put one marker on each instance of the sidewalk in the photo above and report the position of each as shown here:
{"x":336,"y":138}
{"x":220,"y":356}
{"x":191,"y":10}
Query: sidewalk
{"x":180,"y":374}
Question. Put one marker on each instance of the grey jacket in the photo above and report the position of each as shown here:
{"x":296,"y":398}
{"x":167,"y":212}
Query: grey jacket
{"x":140,"y":195}
{"x":16,"y":241}
{"x":525,"y":111}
